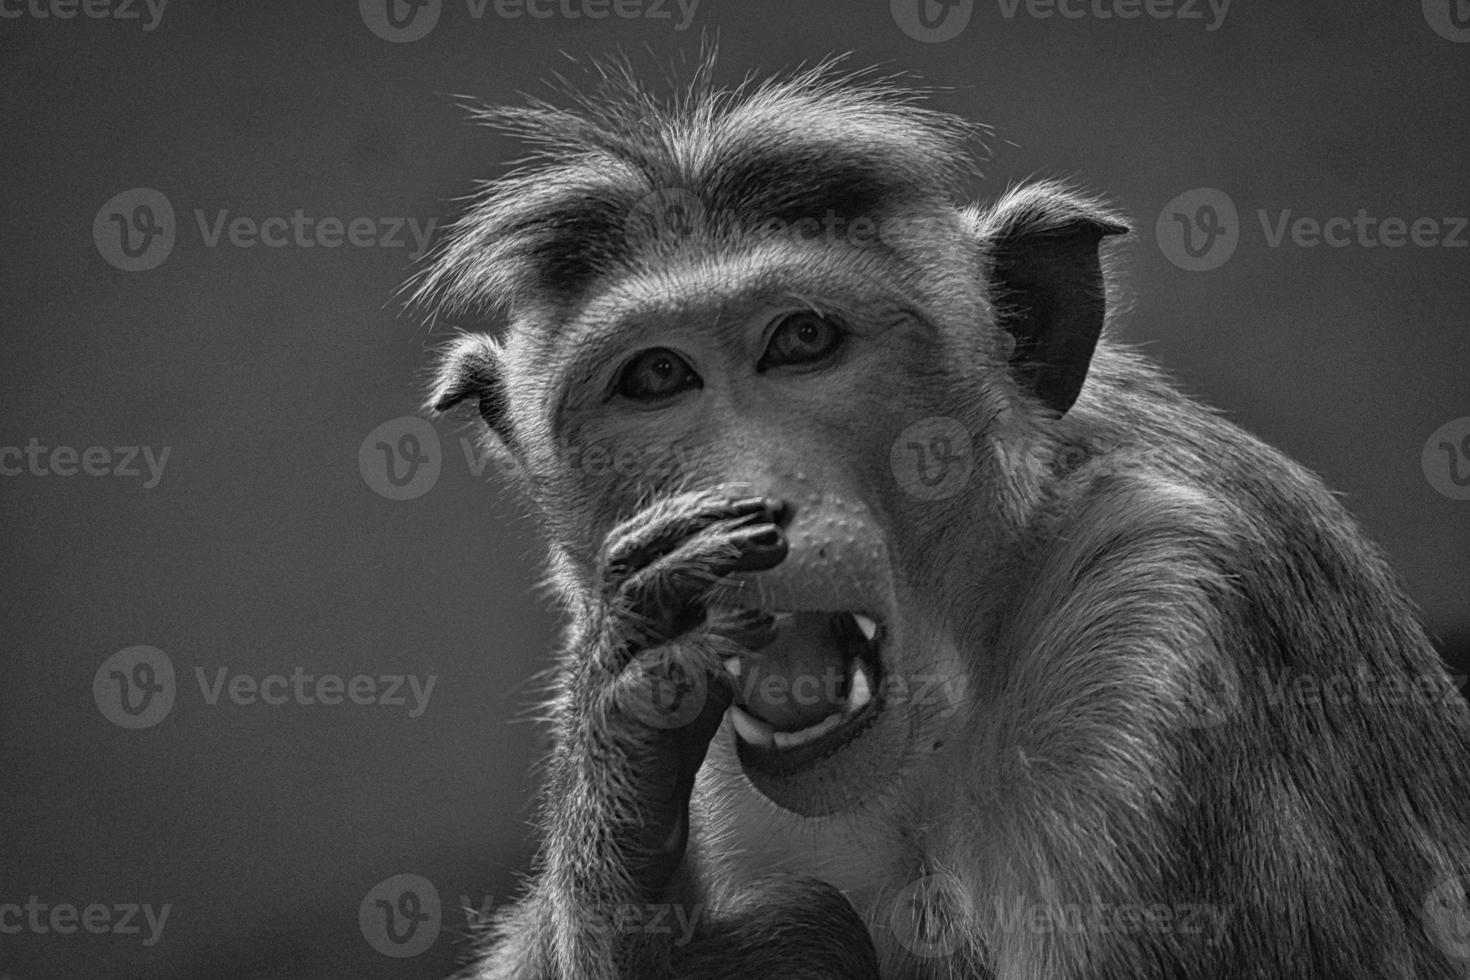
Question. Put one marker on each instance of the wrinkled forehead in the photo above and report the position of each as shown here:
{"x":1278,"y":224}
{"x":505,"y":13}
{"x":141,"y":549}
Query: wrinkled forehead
{"x":616,"y":193}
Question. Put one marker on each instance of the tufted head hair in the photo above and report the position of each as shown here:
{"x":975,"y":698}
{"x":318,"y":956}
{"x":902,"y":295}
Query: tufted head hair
{"x":820,"y":141}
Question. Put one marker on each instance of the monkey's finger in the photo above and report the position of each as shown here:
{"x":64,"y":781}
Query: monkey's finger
{"x":679,"y":698}
{"x":755,"y":548}
{"x":659,"y":530}
{"x":667,"y":764}
{"x":667,"y":598}
{"x":665,"y":525}
{"x":660,"y":606}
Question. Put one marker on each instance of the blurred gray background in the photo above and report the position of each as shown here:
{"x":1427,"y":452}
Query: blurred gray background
{"x":263,"y":548}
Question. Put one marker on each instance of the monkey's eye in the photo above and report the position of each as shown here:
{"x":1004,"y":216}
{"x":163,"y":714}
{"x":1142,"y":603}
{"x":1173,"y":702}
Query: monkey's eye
{"x":802,"y":338}
{"x":655,"y":374}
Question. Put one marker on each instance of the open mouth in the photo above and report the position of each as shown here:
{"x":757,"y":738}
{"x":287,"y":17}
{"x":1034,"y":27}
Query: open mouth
{"x":809,"y":692}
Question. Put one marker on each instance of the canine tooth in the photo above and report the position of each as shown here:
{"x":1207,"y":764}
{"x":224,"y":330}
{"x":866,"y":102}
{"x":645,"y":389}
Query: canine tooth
{"x":751,"y":729}
{"x":859,"y":689}
{"x":787,"y":740}
{"x":869,"y":628}
{"x":732,"y":666}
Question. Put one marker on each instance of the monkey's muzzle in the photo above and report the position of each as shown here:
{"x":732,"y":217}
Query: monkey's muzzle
{"x":807,"y":693}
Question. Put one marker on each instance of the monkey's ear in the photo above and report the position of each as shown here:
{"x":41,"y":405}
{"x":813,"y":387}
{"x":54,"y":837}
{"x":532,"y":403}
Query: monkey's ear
{"x":470,"y":368}
{"x":1046,"y":281}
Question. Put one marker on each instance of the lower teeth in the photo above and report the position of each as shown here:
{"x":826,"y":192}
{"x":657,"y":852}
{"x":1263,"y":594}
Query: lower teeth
{"x":759,"y":733}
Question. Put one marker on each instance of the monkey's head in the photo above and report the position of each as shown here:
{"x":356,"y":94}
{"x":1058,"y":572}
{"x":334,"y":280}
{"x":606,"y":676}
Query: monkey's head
{"x":773,"y":290}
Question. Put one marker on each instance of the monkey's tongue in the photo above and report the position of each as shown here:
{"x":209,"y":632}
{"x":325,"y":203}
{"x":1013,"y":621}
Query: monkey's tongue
{"x":804,"y":676}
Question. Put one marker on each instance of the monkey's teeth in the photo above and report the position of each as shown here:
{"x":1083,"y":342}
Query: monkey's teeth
{"x":869,"y":628}
{"x":859,"y":688}
{"x":732,"y":666}
{"x":787,"y":740}
{"x":751,"y":729}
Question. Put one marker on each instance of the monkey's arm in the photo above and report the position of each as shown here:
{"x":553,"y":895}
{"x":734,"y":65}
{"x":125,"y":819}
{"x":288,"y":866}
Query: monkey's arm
{"x":633,"y":720}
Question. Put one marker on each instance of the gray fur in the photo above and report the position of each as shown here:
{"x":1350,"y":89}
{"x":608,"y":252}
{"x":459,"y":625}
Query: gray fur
{"x":1119,"y":554}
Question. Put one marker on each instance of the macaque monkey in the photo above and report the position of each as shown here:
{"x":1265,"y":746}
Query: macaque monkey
{"x":917,"y":627}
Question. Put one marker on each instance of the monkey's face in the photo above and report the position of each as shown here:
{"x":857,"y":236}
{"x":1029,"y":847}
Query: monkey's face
{"x":898,"y":397}
{"x":886,"y":374}
{"x":789,"y":376}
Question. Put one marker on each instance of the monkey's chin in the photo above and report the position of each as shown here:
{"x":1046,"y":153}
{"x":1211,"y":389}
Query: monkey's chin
{"x":826,"y":766}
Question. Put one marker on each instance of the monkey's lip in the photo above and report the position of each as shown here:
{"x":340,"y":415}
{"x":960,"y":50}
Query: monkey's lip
{"x":809,"y":694}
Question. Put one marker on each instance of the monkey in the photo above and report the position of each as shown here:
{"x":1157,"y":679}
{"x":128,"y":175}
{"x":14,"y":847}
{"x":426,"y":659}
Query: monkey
{"x":917,"y":626}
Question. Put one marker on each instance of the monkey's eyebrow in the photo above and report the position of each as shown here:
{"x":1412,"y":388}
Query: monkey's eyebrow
{"x":590,"y":354}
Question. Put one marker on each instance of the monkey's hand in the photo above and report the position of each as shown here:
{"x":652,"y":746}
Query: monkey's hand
{"x":649,"y":704}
